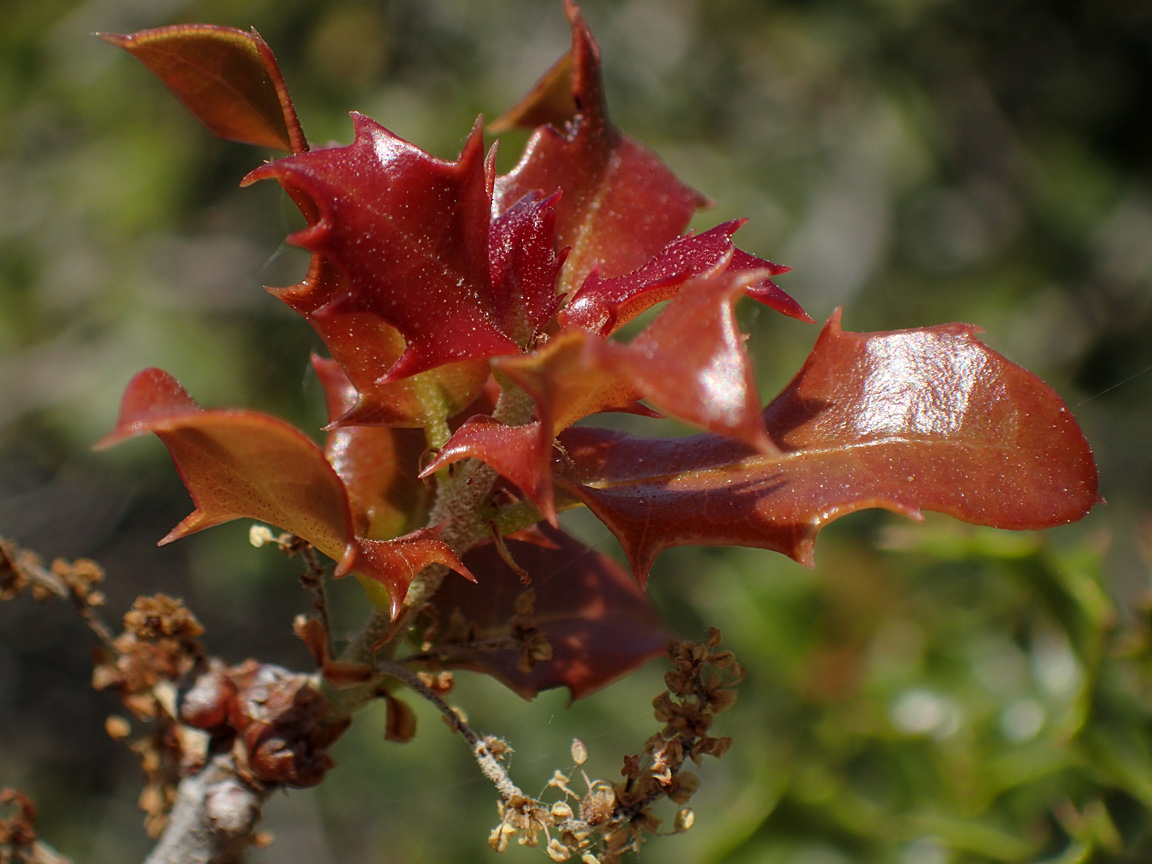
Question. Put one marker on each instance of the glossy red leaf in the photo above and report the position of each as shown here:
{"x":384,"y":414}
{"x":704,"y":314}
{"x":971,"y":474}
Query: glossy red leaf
{"x":691,"y":362}
{"x":920,"y":419}
{"x":395,"y":563}
{"x":621,"y":204}
{"x":521,"y":454}
{"x":524,"y":266}
{"x":569,"y":378}
{"x":398,"y":237}
{"x":598,"y":623}
{"x":238,"y":464}
{"x":605,"y":305}
{"x":228,"y":79}
{"x":246,"y":465}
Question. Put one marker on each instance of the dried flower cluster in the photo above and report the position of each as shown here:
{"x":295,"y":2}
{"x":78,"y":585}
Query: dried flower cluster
{"x":611,"y":819}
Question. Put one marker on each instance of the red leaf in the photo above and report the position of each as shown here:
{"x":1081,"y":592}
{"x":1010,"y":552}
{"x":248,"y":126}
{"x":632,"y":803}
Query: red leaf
{"x":620,"y":203}
{"x":521,"y":454}
{"x":395,"y":563}
{"x":568,"y":379}
{"x":524,"y":266}
{"x":246,"y":465}
{"x":691,"y":362}
{"x":598,"y":623}
{"x":399,"y":238}
{"x":919,"y":419}
{"x":603,"y":306}
{"x":227,"y":78}
{"x":238,"y":464}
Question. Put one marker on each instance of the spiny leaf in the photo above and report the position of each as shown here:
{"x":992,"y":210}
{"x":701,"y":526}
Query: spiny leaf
{"x":524,"y":266}
{"x":920,"y":419}
{"x":603,"y":306}
{"x":598,"y":623}
{"x":246,"y":465}
{"x":620,"y":203}
{"x":690,"y":362}
{"x":226,"y":78}
{"x":238,"y":464}
{"x":395,"y":563}
{"x":398,"y":237}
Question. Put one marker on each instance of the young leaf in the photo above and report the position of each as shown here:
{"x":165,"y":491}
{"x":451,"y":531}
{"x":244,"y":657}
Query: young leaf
{"x":398,"y":237}
{"x":226,"y":78}
{"x":919,"y":419}
{"x":238,"y":464}
{"x":243,"y":464}
{"x":603,"y":306}
{"x":620,"y":203}
{"x":598,"y":623}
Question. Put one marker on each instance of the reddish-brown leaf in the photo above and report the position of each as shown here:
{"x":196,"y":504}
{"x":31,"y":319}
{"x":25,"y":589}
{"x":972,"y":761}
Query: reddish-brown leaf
{"x":226,"y":78}
{"x":521,"y":454}
{"x":398,"y":237}
{"x":524,"y":266}
{"x":568,"y":379}
{"x":605,"y":305}
{"x":621,"y":204}
{"x":920,"y":419}
{"x":691,"y":362}
{"x":377,"y":464}
{"x":246,"y":465}
{"x":395,"y":563}
{"x":238,"y":464}
{"x":599,"y":625}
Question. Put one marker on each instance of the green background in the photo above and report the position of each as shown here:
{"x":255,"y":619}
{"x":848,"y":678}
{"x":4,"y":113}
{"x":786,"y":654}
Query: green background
{"x":926,"y":695}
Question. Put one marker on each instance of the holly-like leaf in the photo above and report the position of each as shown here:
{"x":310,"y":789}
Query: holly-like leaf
{"x":690,"y":362}
{"x":398,"y":237}
{"x":603,"y":306}
{"x":621,"y":204}
{"x":238,"y":464}
{"x":242,"y":464}
{"x":395,"y":563}
{"x":921,"y":419}
{"x":524,"y":266}
{"x":226,"y":78}
{"x":596,"y":621}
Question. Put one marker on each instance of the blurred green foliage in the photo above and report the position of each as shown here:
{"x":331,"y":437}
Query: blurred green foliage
{"x":930,"y":694}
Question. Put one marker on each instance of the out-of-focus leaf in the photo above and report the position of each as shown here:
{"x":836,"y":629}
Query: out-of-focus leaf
{"x":226,"y":78}
{"x":399,"y":238}
{"x":598,"y":623}
{"x":909,"y":420}
{"x":605,"y":305}
{"x":620,"y":204}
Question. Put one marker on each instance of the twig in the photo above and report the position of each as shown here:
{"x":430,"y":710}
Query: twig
{"x":489,"y":765}
{"x":213,"y":819}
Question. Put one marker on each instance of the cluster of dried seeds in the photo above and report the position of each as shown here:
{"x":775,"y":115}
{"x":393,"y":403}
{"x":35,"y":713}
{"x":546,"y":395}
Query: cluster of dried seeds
{"x":610,"y":819}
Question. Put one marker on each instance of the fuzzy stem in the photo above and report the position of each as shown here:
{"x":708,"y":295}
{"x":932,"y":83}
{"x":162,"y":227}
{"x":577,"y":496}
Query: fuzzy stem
{"x":489,"y":765}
